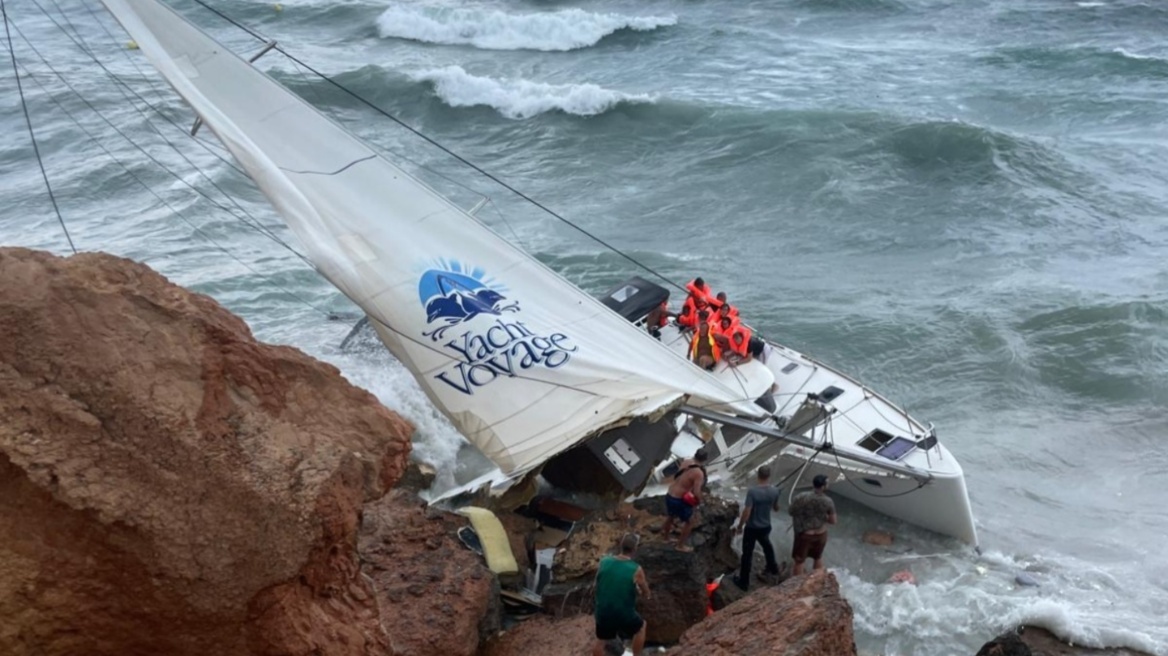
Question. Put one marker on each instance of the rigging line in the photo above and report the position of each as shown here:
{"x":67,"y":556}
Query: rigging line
{"x":147,"y":187}
{"x":123,"y":87}
{"x":28,"y":121}
{"x":80,"y":42}
{"x":481,"y":171}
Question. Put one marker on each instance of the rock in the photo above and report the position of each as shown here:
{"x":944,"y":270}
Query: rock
{"x":804,"y":616}
{"x":168,"y":485}
{"x":878,"y":538}
{"x":1028,"y":640}
{"x":1026,"y":580}
{"x":677,"y":579}
{"x":437,"y":597}
{"x":418,"y":477}
{"x":1007,"y":644}
{"x":545,"y":636}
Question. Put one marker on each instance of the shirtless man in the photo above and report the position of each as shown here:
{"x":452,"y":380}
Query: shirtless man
{"x":687,"y":484}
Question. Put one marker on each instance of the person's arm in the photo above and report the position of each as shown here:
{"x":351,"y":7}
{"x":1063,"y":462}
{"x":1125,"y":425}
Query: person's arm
{"x":831,"y":517}
{"x":745,"y":514}
{"x":642,"y":582}
{"x":778,"y":498}
{"x":699,"y":481}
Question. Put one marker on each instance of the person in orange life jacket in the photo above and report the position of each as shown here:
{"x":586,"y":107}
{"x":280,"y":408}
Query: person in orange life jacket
{"x":698,"y":288}
{"x":723,"y":306}
{"x":689,"y":312}
{"x":658,"y":317}
{"x":703,"y":348}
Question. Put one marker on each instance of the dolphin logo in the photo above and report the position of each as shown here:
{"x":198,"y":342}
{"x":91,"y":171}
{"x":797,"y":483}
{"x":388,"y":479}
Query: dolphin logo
{"x":451,"y":298}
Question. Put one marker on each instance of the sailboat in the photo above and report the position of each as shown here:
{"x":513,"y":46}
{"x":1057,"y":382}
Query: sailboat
{"x":544,"y":379}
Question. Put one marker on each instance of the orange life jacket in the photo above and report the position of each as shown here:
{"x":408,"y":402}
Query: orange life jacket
{"x":704,"y":292}
{"x":715,"y":350}
{"x":689,"y":312}
{"x":739,"y":336}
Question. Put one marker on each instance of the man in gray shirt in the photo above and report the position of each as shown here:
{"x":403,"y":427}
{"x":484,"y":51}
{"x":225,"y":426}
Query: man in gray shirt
{"x":755,"y":526}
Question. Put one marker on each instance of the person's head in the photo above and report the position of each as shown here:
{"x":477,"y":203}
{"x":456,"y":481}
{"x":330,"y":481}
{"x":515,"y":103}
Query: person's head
{"x":726,"y":322}
{"x":722,"y":297}
{"x":820,"y":482}
{"x":764,"y":473}
{"x":704,"y":315}
{"x":701,"y":456}
{"x":699,"y":283}
{"x":628,"y":544}
{"x":724,"y":310}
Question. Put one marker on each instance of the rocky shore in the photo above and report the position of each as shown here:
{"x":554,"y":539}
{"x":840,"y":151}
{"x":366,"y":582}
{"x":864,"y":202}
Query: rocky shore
{"x":169,"y":485}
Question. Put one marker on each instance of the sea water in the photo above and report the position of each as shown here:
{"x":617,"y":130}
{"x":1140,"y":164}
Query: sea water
{"x":961,"y":203}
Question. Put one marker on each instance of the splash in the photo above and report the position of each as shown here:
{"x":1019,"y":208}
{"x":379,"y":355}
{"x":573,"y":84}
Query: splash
{"x":519,"y":98}
{"x":569,"y":29}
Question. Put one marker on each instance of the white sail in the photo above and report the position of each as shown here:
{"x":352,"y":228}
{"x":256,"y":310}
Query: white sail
{"x":524,"y":363}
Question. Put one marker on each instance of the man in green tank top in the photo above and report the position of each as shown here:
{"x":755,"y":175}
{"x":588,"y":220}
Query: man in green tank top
{"x":617,"y":581}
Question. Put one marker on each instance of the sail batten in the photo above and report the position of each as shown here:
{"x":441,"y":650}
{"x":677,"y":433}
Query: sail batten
{"x":523,"y":363}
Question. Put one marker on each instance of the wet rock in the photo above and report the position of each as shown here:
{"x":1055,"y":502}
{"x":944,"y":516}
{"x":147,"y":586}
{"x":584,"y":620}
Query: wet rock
{"x":1007,"y":644}
{"x":677,"y":579}
{"x":1026,"y":580}
{"x":878,"y":538}
{"x":418,"y":477}
{"x":1027,"y":640}
{"x":804,"y":616}
{"x":168,"y":485}
{"x":437,"y":597}
{"x":546,"y":636}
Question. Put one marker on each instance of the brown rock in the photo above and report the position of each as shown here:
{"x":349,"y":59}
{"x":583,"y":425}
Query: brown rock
{"x":167,"y":484}
{"x":417,"y":477}
{"x":437,"y":596}
{"x":545,"y":636}
{"x":678,"y":580}
{"x":1037,"y":641}
{"x":804,"y":616}
{"x":878,"y":538}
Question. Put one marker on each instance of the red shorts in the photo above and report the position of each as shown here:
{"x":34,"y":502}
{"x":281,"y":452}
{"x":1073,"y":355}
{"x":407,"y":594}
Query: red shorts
{"x":808,"y":545}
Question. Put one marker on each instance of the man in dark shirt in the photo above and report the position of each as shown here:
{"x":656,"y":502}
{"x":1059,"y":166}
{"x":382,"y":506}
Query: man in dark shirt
{"x":811,"y":512}
{"x":755,"y":526}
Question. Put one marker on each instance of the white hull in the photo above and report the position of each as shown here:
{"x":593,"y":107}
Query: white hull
{"x":941,"y":504}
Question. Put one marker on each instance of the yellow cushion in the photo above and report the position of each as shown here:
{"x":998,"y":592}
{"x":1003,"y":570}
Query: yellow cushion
{"x":496,"y":546}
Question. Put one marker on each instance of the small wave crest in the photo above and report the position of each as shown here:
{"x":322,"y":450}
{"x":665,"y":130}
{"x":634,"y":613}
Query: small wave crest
{"x":490,"y":29}
{"x":519,"y":98}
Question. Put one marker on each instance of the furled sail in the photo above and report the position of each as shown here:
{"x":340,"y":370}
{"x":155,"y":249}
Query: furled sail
{"x":525,"y":364}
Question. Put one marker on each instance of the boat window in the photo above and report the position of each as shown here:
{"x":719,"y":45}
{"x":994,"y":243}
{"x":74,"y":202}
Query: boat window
{"x":789,"y":368}
{"x":733,"y":435}
{"x":897,"y":448}
{"x":928,"y":443}
{"x":875,"y":440}
{"x":830,"y":393}
{"x":873,"y":482}
{"x":623,"y":294}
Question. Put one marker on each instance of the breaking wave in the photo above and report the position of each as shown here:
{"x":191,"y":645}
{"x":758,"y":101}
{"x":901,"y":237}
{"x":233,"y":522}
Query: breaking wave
{"x":491,"y":29}
{"x":519,"y":98}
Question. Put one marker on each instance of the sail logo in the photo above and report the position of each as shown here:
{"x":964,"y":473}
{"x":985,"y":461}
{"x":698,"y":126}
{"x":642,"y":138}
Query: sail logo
{"x":455,"y":295}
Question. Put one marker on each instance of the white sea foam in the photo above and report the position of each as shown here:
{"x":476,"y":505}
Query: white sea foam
{"x":519,"y":98}
{"x":1132,"y":55}
{"x":491,"y":29}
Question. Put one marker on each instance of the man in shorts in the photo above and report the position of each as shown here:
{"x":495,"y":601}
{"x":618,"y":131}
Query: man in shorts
{"x":685,"y":494}
{"x":618,"y":579}
{"x":811,"y":512}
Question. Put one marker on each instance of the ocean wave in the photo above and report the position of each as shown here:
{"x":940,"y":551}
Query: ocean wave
{"x":492,"y":29}
{"x":1082,"y":61}
{"x":519,"y":98}
{"x":854,"y":5}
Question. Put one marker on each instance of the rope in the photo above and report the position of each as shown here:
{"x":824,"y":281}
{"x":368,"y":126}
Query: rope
{"x":31,"y":134}
{"x":137,"y":179}
{"x":448,"y":151}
